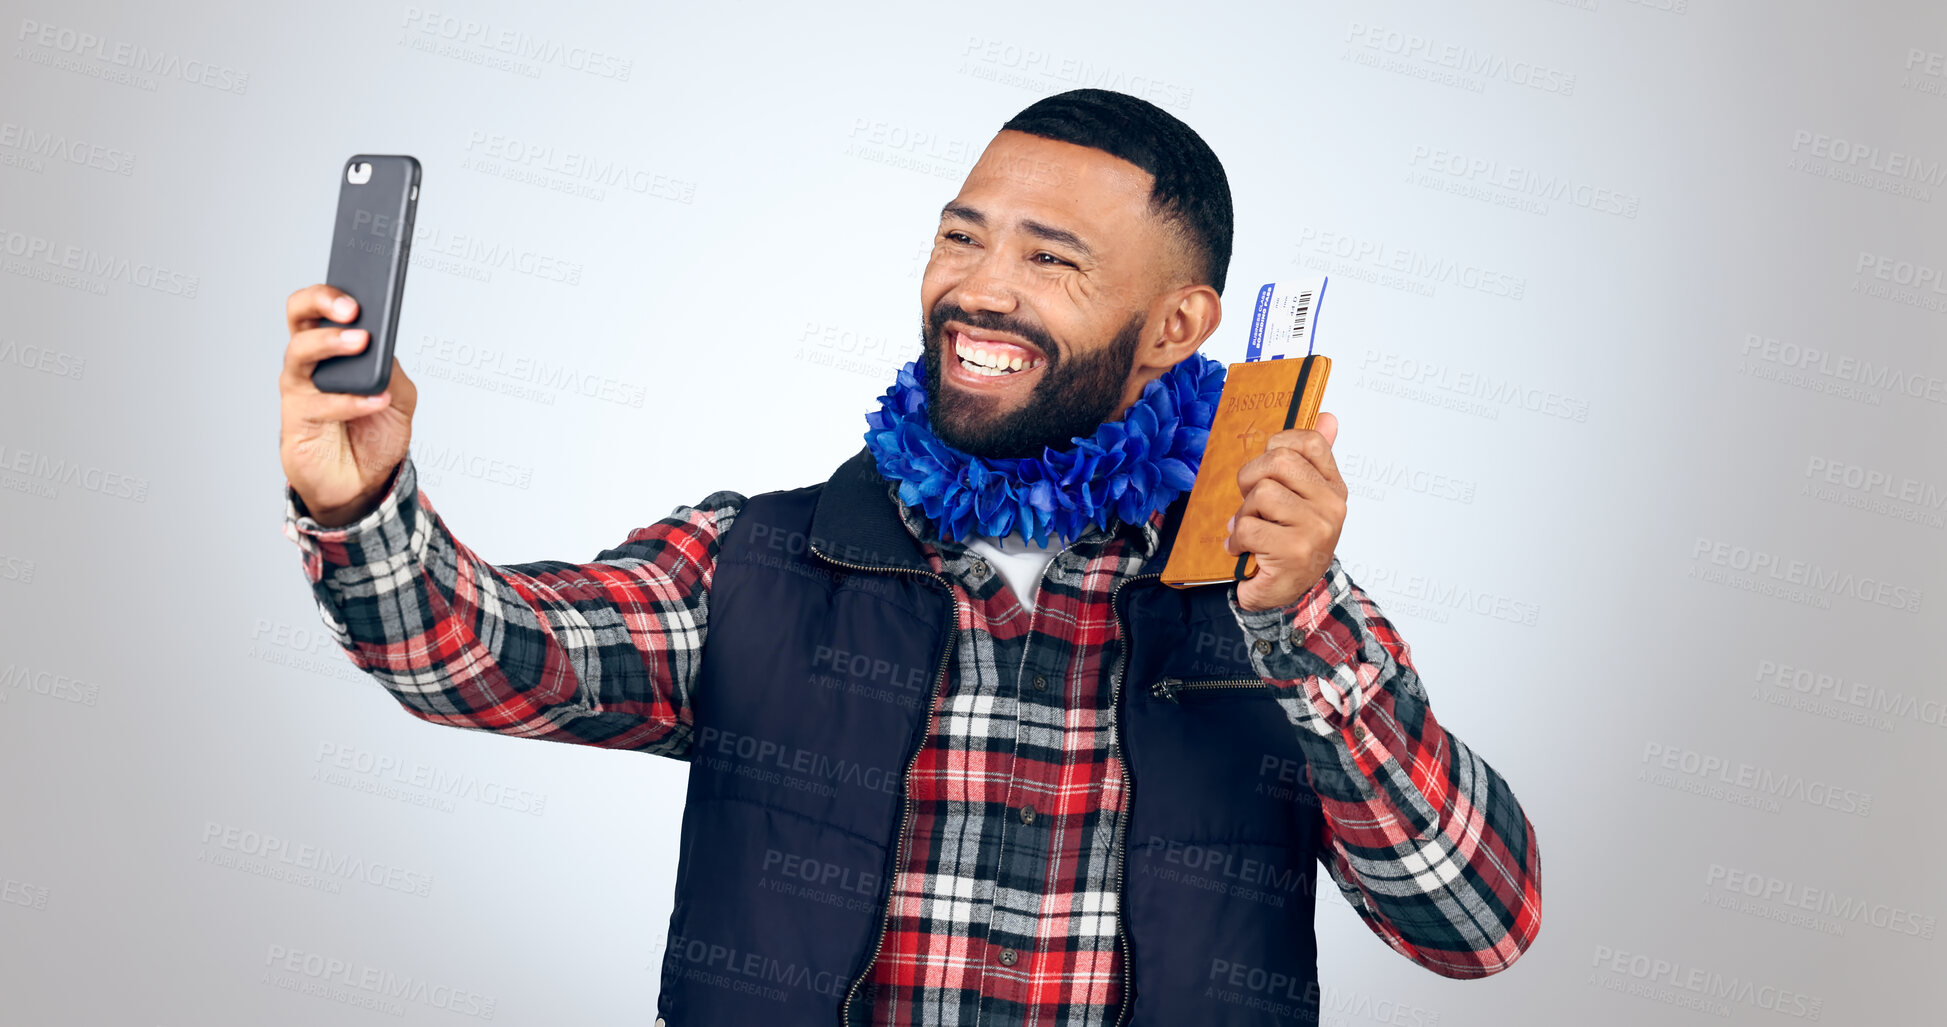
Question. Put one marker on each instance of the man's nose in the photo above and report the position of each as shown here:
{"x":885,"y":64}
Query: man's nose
{"x":988,"y":284}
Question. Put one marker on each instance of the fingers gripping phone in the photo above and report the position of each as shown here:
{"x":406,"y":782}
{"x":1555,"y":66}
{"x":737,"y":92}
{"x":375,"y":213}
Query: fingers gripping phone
{"x":377,"y":195}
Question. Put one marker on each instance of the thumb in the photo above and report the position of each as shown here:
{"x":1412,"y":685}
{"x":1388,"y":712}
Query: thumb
{"x":1328,"y":426}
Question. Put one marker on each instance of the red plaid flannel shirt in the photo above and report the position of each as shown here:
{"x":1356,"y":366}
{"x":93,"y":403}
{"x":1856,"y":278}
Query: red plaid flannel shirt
{"x":1004,"y":910}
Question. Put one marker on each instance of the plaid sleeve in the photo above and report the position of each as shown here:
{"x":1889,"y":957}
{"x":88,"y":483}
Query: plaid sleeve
{"x":602,"y":653}
{"x":1423,"y":837}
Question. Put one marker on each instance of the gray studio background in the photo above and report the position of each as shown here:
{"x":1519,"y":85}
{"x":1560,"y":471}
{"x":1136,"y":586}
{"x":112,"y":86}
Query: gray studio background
{"x":1636,"y":307}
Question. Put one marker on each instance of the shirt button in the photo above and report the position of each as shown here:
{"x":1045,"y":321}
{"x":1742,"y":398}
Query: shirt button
{"x":1040,"y":683}
{"x":1027,"y":814}
{"x":1263,"y":646}
{"x":1008,"y":956}
{"x":979,"y":568}
{"x":1359,"y":732}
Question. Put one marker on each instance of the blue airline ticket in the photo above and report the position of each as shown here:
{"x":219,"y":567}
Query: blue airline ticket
{"x":1284,"y":319}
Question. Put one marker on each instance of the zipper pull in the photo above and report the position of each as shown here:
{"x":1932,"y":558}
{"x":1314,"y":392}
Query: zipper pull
{"x":1164,"y":688}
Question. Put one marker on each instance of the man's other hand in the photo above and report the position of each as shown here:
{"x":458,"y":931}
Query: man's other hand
{"x":1293,"y":510}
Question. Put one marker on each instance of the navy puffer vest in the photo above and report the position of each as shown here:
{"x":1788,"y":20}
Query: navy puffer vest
{"x":828,"y":640}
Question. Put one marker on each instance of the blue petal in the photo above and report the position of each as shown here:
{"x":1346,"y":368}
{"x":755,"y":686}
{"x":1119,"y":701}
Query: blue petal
{"x":1176,"y":474}
{"x":1000,"y":523}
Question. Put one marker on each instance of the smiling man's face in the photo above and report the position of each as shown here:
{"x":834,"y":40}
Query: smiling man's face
{"x":1052,"y":297}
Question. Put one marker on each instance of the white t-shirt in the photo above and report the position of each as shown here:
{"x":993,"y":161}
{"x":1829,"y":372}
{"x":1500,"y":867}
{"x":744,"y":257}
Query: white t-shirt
{"x":1019,"y":562}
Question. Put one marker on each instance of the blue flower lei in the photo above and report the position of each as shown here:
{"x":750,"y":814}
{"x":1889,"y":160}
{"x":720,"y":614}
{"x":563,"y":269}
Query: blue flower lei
{"x":1129,"y":469}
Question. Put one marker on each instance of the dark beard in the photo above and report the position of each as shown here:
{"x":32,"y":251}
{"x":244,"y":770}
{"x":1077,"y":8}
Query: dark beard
{"x":1075,"y":394}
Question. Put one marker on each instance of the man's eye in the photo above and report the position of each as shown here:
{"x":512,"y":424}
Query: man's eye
{"x":1051,"y":257}
{"x":957,"y":237}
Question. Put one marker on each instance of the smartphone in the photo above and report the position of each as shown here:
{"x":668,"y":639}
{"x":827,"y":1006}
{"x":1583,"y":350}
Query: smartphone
{"x":377,"y":195}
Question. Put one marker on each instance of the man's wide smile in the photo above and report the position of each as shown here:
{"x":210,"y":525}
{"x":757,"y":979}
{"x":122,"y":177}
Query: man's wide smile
{"x":986,"y":362}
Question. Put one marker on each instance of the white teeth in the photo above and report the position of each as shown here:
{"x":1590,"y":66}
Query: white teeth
{"x":990,"y":363}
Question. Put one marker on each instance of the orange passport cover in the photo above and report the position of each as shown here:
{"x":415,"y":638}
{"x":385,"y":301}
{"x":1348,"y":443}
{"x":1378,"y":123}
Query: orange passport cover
{"x":1259,"y":400}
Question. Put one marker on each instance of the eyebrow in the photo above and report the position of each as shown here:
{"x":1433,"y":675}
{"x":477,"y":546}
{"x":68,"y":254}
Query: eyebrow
{"x":1060,"y":236}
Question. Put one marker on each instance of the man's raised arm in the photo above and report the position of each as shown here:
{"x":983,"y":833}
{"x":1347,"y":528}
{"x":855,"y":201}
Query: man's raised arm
{"x":1422,"y":836}
{"x":603,"y":653}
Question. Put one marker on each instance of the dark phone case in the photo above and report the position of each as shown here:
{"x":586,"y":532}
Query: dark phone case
{"x":369,"y":247}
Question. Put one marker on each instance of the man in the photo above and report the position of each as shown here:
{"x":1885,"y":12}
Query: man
{"x":957,"y":757}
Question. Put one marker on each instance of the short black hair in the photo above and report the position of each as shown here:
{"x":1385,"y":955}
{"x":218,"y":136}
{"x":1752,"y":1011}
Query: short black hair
{"x":1191,"y":188}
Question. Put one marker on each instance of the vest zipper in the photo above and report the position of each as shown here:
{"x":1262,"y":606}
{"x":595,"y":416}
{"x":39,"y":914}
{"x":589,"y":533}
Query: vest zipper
{"x":905,"y":783}
{"x":1128,"y":798}
{"x":1167,"y":688}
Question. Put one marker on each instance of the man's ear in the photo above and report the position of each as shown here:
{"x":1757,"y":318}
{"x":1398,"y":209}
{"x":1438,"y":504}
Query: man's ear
{"x":1186,"y":317}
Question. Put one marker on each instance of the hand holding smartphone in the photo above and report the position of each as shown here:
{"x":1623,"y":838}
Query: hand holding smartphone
{"x":370,"y":243}
{"x":345,"y":406}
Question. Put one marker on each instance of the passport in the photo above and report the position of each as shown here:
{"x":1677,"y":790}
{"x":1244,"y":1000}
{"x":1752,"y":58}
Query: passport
{"x":1260,"y":399}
